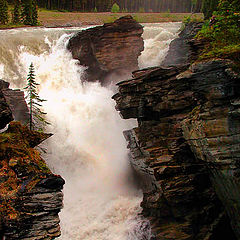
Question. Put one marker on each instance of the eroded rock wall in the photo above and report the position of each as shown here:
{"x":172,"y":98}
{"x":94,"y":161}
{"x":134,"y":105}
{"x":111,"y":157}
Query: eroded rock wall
{"x":185,"y":149}
{"x":15,"y":103}
{"x":113,"y":48}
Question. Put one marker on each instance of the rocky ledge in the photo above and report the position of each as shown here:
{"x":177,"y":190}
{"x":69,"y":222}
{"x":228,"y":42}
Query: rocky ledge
{"x":30,"y":194}
{"x":113,"y":48}
{"x":185,"y":149}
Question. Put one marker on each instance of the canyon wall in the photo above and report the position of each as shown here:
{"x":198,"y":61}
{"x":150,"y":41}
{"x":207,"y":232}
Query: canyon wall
{"x":185,"y":150}
{"x":30,"y":194}
{"x":110,"y":49}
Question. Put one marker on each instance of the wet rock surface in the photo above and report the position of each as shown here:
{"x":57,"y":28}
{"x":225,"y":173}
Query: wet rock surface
{"x":109,"y":49}
{"x":5,"y":111}
{"x":185,"y":150}
{"x":184,"y":49}
{"x":12,"y":105}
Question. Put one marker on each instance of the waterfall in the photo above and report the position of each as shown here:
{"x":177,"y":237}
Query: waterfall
{"x":157,"y":38}
{"x":88,"y":149}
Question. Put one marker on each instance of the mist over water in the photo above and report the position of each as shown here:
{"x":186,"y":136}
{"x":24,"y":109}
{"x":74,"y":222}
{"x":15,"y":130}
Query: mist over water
{"x":88,"y":149}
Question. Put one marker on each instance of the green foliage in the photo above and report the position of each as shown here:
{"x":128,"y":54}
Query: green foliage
{"x":95,"y":9}
{"x":4,"y":18}
{"x":36,"y":116}
{"x":29,"y":12}
{"x":141,"y":10}
{"x":222,"y":33}
{"x":115,"y":8}
{"x":124,"y":10}
{"x":208,"y":7}
{"x":17,"y":12}
{"x":34,"y":13}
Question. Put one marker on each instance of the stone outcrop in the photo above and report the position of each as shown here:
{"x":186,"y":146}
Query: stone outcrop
{"x":185,"y":150}
{"x":185,"y":48}
{"x":113,"y":48}
{"x":5,"y":111}
{"x":30,"y":194}
{"x":16,"y":104}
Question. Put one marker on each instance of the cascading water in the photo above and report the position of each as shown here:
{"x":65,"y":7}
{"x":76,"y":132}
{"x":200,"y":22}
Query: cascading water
{"x":157,"y":38}
{"x":88,"y":149}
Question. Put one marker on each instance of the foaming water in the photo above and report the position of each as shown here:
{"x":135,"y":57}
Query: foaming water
{"x":157,"y":38}
{"x":88,"y":148}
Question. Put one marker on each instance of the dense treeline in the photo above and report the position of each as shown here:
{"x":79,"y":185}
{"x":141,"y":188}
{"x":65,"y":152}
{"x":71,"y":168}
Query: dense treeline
{"x":23,"y":12}
{"x":125,"y":5}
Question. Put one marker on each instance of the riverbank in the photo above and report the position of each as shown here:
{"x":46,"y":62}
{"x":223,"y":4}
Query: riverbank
{"x":77,"y":19}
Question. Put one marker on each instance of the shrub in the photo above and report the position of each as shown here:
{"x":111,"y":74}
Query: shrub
{"x":222,"y":32}
{"x":115,"y":8}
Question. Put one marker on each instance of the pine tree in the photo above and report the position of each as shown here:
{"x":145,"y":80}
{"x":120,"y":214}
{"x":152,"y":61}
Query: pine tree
{"x":34,"y":13}
{"x":36,"y":115}
{"x":27,"y":12}
{"x":17,"y":12}
{"x":4,"y":18}
{"x":208,"y":7}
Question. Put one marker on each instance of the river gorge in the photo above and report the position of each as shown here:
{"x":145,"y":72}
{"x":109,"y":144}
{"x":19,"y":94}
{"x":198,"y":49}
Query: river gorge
{"x":88,"y":149}
{"x":145,"y":135}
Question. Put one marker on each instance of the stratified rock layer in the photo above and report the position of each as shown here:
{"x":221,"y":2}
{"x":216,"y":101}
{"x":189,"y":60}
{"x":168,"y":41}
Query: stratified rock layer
{"x":108,"y":49}
{"x":5,"y":111}
{"x":186,"y":148}
{"x":15,"y":104}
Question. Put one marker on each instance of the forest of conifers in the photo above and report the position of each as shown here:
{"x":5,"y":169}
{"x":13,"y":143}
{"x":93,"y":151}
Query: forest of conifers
{"x":125,"y":5}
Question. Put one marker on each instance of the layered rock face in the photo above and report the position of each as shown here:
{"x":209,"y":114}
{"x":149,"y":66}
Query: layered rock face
{"x":113,"y":48}
{"x":5,"y":111}
{"x":15,"y":102}
{"x":30,"y":194}
{"x":185,"y":149}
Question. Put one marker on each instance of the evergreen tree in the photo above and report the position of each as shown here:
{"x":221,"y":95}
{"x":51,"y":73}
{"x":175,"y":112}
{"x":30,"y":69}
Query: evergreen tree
{"x":17,"y":12}
{"x":208,"y":7}
{"x":34,"y":13}
{"x":36,"y":115}
{"x":4,"y":18}
{"x":27,"y":12}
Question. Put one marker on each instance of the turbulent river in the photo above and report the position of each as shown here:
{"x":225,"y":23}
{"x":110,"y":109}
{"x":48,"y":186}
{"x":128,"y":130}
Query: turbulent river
{"x":88,"y":149}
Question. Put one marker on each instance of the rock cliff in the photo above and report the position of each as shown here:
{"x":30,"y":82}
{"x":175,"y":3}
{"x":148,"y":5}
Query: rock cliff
{"x":15,"y":102}
{"x":30,"y":194}
{"x":185,"y":150}
{"x":109,"y":49}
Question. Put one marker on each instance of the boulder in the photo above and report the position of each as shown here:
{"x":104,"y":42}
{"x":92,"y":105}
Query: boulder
{"x":113,"y":48}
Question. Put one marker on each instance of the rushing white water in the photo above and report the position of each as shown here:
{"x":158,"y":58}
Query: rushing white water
{"x":157,"y":38}
{"x":87,"y":149}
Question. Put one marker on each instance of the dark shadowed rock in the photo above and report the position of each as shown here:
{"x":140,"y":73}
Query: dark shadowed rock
{"x":16,"y":103}
{"x":111,"y":48}
{"x":5,"y":111}
{"x":183,"y":49}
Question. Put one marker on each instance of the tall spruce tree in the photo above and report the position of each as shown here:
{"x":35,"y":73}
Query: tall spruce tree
{"x":34,"y":13}
{"x":17,"y":12}
{"x":37,"y":120}
{"x":27,"y":12}
{"x":4,"y":17}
